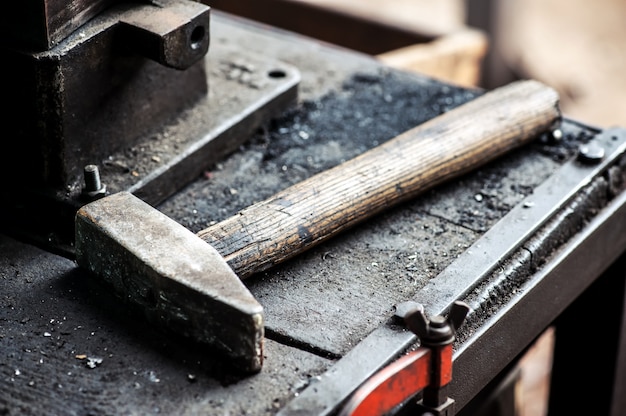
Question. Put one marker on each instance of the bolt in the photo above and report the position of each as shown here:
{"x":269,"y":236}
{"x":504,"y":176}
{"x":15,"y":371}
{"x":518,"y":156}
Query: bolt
{"x":438,"y":333}
{"x":93,"y":187}
{"x":590,"y":153}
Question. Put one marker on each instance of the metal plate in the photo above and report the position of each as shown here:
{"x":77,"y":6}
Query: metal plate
{"x":246,"y":91}
{"x":500,"y":265}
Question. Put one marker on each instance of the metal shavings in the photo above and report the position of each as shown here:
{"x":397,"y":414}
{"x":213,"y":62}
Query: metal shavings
{"x":93,"y":362}
{"x":327,"y":255}
{"x":153,"y":377}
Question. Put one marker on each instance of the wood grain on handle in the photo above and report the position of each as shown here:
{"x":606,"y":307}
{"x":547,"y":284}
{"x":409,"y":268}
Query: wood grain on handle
{"x":445,"y":147}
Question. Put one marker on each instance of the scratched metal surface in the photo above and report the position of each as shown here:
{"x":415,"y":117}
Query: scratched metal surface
{"x":69,"y":348}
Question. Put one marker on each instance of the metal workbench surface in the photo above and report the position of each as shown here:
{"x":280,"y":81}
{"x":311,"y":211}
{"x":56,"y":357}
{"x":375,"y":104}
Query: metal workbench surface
{"x":70,"y":347}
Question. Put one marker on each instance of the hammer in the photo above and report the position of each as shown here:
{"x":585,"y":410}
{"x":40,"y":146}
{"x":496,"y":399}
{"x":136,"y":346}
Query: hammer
{"x":191,"y":283}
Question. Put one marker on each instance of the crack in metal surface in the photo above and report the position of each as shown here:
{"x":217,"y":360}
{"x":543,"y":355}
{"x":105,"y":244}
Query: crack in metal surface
{"x":301,"y":345}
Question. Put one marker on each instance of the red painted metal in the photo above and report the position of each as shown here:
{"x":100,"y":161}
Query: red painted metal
{"x":442,"y":366}
{"x":393,"y":385}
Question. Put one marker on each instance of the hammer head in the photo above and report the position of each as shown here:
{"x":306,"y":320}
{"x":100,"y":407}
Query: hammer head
{"x":180,"y":281}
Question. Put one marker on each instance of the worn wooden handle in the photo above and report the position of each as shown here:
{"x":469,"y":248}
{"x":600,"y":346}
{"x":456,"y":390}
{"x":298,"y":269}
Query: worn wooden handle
{"x":445,"y":147}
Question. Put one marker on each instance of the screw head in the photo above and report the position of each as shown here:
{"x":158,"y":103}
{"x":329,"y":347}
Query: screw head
{"x":590,"y":153}
{"x":96,"y":194}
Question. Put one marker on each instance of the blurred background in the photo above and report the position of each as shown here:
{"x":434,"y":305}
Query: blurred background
{"x":576,"y":46}
{"x":573,"y":45}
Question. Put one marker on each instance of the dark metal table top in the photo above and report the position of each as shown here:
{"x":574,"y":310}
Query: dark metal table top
{"x":69,"y":347}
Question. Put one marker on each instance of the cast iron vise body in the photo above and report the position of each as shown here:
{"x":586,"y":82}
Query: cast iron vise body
{"x":98,"y":78}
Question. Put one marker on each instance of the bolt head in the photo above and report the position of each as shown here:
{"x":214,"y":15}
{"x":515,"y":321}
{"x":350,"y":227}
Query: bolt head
{"x":93,"y":195}
{"x":590,"y":153}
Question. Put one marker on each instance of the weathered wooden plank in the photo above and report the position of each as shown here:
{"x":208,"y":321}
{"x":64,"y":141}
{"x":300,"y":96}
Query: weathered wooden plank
{"x":330,"y":24}
{"x":455,"y":57}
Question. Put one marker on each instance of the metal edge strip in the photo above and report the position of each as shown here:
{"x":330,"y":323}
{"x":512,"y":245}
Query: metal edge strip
{"x":546,"y":294}
{"x":386,"y":342}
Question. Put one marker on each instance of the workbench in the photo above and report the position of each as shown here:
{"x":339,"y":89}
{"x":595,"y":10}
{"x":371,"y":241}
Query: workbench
{"x":491,"y":239}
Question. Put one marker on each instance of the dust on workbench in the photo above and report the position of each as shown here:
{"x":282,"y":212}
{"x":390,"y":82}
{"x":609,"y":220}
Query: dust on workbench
{"x":368,"y":109}
{"x":314,"y":136}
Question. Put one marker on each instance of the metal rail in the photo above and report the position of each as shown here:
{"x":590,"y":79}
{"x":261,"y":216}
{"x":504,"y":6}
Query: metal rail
{"x":565,"y":191}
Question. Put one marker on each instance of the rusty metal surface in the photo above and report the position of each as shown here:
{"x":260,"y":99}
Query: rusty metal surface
{"x":246,"y":92}
{"x":69,"y":348}
{"x":164,"y":30}
{"x":172,"y":33}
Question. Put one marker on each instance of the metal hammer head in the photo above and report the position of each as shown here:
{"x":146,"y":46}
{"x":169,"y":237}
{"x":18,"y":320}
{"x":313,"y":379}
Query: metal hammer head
{"x":178,"y":279}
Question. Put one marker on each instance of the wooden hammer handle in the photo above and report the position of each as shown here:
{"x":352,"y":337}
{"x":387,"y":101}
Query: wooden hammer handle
{"x":324,"y":205}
